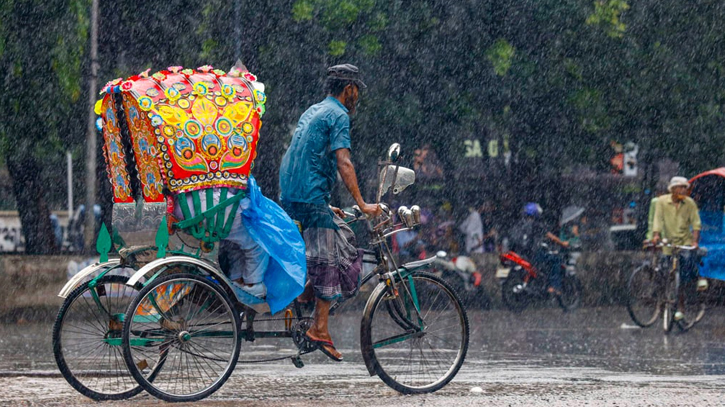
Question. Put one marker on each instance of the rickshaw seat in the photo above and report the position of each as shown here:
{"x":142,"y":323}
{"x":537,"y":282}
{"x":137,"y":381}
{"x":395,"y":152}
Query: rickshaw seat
{"x":137,"y":255}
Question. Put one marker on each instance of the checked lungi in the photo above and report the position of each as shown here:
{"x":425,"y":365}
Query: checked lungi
{"x":333,"y":261}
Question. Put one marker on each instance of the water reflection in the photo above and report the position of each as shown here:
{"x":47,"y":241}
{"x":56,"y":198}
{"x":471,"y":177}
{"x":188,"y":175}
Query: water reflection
{"x":587,"y":338}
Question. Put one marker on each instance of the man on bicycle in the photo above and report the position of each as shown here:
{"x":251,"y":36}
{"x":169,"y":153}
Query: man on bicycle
{"x":320,"y":149}
{"x":677,"y":220}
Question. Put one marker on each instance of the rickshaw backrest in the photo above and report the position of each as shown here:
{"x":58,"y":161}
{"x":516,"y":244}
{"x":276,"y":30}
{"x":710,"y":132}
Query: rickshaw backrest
{"x":172,"y":136}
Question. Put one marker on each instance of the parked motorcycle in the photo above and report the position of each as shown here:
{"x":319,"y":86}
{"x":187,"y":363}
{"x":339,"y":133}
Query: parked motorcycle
{"x":462,"y":273}
{"x":522,"y":284}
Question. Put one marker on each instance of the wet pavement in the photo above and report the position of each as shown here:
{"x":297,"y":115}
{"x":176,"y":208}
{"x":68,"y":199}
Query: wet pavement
{"x":593,"y":357}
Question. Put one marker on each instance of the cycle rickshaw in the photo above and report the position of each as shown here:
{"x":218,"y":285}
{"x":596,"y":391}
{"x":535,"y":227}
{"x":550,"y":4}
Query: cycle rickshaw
{"x":175,"y":327}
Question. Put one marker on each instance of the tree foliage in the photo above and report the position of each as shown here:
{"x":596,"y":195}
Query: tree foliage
{"x":553,"y":81}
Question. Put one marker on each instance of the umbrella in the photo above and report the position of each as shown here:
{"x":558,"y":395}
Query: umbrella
{"x":570,"y":213}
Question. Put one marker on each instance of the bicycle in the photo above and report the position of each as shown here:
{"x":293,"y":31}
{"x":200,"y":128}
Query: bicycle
{"x":654,"y":288}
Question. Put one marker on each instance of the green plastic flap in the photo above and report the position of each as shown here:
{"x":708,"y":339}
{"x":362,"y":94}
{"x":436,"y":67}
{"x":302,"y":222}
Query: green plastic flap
{"x":103,"y":243}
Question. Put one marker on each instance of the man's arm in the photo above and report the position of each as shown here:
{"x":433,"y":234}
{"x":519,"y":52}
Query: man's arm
{"x":347,"y":172}
{"x":696,"y":226}
{"x":556,"y":240}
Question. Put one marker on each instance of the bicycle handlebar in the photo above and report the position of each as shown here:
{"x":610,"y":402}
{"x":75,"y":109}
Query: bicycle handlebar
{"x":660,"y":245}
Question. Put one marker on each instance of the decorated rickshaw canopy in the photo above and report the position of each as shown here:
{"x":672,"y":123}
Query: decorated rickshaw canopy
{"x":183,"y":129}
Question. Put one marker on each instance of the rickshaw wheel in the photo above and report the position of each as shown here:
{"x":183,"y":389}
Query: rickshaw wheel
{"x":86,"y":339}
{"x":187,"y":324}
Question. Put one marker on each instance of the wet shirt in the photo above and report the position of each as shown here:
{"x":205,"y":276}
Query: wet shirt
{"x":676,"y":222}
{"x":309,"y":167}
{"x":528,"y":235}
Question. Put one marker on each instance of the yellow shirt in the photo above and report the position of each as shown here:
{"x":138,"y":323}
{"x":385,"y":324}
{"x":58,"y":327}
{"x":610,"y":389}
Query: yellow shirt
{"x":675,"y":222}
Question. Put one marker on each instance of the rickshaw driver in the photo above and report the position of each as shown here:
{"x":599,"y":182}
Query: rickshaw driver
{"x":320,"y":148}
{"x":677,"y":220}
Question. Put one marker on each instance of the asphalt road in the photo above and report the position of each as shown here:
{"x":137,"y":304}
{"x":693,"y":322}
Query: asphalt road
{"x":592,"y":357}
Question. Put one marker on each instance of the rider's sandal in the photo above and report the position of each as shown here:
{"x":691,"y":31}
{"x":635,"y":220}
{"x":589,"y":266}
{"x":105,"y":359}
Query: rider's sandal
{"x":322,"y":345}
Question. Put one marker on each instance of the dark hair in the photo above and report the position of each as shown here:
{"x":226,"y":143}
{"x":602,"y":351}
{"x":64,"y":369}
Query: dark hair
{"x":335,"y":86}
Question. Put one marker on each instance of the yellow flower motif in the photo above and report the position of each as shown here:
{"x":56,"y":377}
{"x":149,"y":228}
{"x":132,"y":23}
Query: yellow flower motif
{"x":145,"y":103}
{"x":260,"y":96}
{"x":228,"y":91}
{"x":172,"y":93}
{"x":200,"y":88}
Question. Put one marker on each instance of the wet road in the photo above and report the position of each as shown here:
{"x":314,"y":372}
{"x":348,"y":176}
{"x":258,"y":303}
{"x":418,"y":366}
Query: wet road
{"x":542,"y":357}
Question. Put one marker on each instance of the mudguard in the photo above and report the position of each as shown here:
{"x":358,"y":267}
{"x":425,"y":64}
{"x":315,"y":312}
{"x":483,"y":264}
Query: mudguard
{"x":209,"y":268}
{"x":419,"y":263}
{"x":80,"y":277}
{"x":154,"y":265}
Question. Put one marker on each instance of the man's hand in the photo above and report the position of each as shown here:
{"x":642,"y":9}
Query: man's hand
{"x":655,"y":238}
{"x":337,"y":211}
{"x":371,"y":209}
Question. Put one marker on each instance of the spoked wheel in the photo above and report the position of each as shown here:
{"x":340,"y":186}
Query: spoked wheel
{"x":644,"y":300}
{"x":670,"y":302}
{"x":694,"y":309}
{"x":187,"y":324}
{"x":513,"y":293}
{"x":571,"y":293}
{"x":415,"y":351}
{"x":87,"y":339}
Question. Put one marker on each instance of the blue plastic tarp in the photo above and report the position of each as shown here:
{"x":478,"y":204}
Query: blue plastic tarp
{"x":271,"y":227}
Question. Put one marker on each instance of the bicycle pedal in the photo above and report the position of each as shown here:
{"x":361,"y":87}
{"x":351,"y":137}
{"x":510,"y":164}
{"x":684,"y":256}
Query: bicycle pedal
{"x":297,"y":361}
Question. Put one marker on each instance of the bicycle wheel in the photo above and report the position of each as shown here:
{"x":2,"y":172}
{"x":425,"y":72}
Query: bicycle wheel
{"x":415,"y":352}
{"x":644,"y":299}
{"x":670,"y":301}
{"x":187,"y":324}
{"x":694,"y":309}
{"x":571,"y":292}
{"x":87,"y":339}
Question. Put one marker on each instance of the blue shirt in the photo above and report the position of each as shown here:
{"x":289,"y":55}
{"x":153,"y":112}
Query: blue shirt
{"x":309,"y":167}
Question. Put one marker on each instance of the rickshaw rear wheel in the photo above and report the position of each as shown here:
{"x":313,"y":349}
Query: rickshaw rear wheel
{"x":187,"y":324}
{"x":83,"y":339}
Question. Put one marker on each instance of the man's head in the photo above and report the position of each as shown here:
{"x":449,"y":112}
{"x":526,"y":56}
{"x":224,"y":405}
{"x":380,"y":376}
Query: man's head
{"x":344,"y":83}
{"x":533,"y":210}
{"x":678,"y":187}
